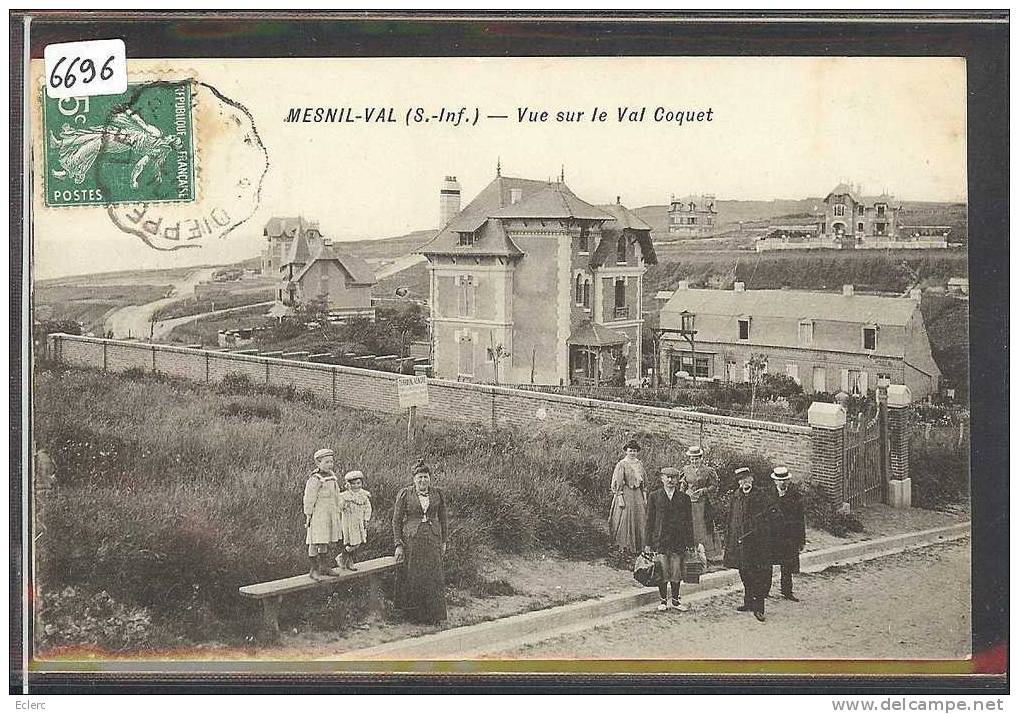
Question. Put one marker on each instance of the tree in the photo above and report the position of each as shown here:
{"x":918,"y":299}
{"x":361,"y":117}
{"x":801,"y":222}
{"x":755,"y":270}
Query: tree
{"x":496,"y":354}
{"x":756,"y":366}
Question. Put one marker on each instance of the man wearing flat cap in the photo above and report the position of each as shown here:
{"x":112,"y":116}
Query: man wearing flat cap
{"x":790,"y":529}
{"x":748,"y":542}
{"x":668,"y":533}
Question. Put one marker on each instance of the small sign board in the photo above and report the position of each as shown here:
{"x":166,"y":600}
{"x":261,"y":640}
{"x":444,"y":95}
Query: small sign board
{"x":413,"y":391}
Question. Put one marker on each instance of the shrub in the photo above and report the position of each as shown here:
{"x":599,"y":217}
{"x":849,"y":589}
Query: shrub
{"x":74,"y":617}
{"x":939,"y":471}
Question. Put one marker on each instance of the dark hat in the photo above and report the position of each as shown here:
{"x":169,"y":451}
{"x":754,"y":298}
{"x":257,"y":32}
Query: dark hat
{"x":419,"y":467}
{"x":632,"y":444}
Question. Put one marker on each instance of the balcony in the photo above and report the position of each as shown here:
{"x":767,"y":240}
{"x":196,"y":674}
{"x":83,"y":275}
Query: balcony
{"x":621,"y":313}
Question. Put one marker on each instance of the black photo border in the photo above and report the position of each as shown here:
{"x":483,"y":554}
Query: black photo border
{"x":980,"y":37}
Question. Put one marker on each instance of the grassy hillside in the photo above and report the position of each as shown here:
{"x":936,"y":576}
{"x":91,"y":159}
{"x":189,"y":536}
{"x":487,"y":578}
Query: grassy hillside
{"x":89,"y":304}
{"x":875,"y":271}
{"x":173,"y":494}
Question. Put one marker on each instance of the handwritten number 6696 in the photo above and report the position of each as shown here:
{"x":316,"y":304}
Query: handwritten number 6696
{"x":86,"y":70}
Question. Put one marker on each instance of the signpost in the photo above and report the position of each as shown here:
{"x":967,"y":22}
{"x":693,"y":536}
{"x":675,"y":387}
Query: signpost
{"x":413,"y":393}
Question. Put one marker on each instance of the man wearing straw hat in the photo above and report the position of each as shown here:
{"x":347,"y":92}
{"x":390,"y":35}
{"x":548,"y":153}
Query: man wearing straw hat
{"x":790,"y":529}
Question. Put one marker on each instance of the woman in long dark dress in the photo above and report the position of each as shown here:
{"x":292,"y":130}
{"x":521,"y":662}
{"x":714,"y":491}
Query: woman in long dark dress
{"x":420,"y":528}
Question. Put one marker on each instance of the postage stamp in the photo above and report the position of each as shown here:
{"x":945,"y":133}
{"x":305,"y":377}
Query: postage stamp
{"x":135,"y":147}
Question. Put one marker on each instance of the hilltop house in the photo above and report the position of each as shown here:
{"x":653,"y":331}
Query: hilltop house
{"x":531,"y":284}
{"x":825,"y":341}
{"x":306,"y":274}
{"x":853,"y":221}
{"x":692,"y":216}
{"x":279,"y":234}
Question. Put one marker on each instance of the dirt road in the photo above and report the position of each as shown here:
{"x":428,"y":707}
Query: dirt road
{"x":136,"y":320}
{"x":914,"y":605}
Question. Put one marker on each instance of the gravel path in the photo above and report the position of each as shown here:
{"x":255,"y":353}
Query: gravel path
{"x":914,"y":605}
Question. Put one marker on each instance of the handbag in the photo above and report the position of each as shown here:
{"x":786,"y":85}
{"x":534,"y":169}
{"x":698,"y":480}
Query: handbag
{"x":693,"y":564}
{"x":646,"y":570}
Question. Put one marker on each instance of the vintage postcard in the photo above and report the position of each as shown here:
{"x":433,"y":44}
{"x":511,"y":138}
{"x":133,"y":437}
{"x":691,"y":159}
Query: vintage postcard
{"x":648,"y":364}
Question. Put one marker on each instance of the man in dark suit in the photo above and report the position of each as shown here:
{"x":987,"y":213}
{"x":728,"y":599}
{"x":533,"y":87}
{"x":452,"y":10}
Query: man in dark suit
{"x":669,"y":532}
{"x":748,"y":542}
{"x":790,"y":529}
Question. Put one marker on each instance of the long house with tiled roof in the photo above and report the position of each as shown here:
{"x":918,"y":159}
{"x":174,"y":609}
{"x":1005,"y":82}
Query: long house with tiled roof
{"x":531,"y":284}
{"x":828,"y":342}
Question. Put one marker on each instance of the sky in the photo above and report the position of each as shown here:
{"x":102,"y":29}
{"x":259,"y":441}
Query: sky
{"x":781,"y":128}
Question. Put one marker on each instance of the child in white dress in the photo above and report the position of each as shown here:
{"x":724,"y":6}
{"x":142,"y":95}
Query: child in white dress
{"x":356,"y":509}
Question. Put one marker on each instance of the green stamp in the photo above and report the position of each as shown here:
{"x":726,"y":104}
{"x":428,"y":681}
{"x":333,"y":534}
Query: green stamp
{"x":135,"y":147}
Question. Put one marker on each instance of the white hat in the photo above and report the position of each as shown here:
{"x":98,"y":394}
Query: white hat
{"x":323,"y":452}
{"x":780,"y":473}
{"x":353,"y":475}
{"x":742,"y":473}
{"x":695,"y":451}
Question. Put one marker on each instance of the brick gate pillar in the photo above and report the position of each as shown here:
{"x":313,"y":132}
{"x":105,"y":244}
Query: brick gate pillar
{"x":900,"y":487}
{"x":828,"y":439}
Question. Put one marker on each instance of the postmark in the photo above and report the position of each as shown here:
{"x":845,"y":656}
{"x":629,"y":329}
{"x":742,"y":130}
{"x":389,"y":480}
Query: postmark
{"x":135,"y":147}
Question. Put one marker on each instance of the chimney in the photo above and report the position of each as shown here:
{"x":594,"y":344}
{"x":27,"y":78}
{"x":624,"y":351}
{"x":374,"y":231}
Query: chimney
{"x":916,"y":294}
{"x":683,"y":285}
{"x":618,"y":201}
{"x":847,"y":290}
{"x":449,"y":201}
{"x":739,"y":287}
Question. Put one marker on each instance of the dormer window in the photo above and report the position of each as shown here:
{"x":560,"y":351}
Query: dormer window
{"x":467,"y":237}
{"x":881,"y":208}
{"x":687,"y":320}
{"x":870,"y":337}
{"x":806,"y":333}
{"x":621,"y":250}
{"x":744,"y":328}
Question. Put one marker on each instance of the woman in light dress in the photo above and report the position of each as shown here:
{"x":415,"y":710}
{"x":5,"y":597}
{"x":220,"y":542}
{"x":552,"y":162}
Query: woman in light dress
{"x":628,"y":514}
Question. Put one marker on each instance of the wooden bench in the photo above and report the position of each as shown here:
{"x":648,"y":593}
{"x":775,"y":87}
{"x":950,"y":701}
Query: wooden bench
{"x":271,"y":593}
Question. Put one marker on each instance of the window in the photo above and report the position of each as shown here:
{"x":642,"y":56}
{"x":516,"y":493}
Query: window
{"x":853,"y":379}
{"x":819,"y":381}
{"x":620,"y":297}
{"x":881,"y":209}
{"x":466,"y":238}
{"x":578,"y":290}
{"x":879,"y":228}
{"x":587,"y":294}
{"x":806,"y":333}
{"x":515,"y":194}
{"x":840,"y":209}
{"x":465,"y":364}
{"x":621,"y":250}
{"x":793,"y":371}
{"x":701,"y":367}
{"x":744,"y":328}
{"x":465,"y":295}
{"x":687,"y":321}
{"x":691,"y":220}
{"x":859,"y":226}
{"x":584,"y":240}
{"x":859,"y":208}
{"x":695,"y":366}
{"x":870,"y":338}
